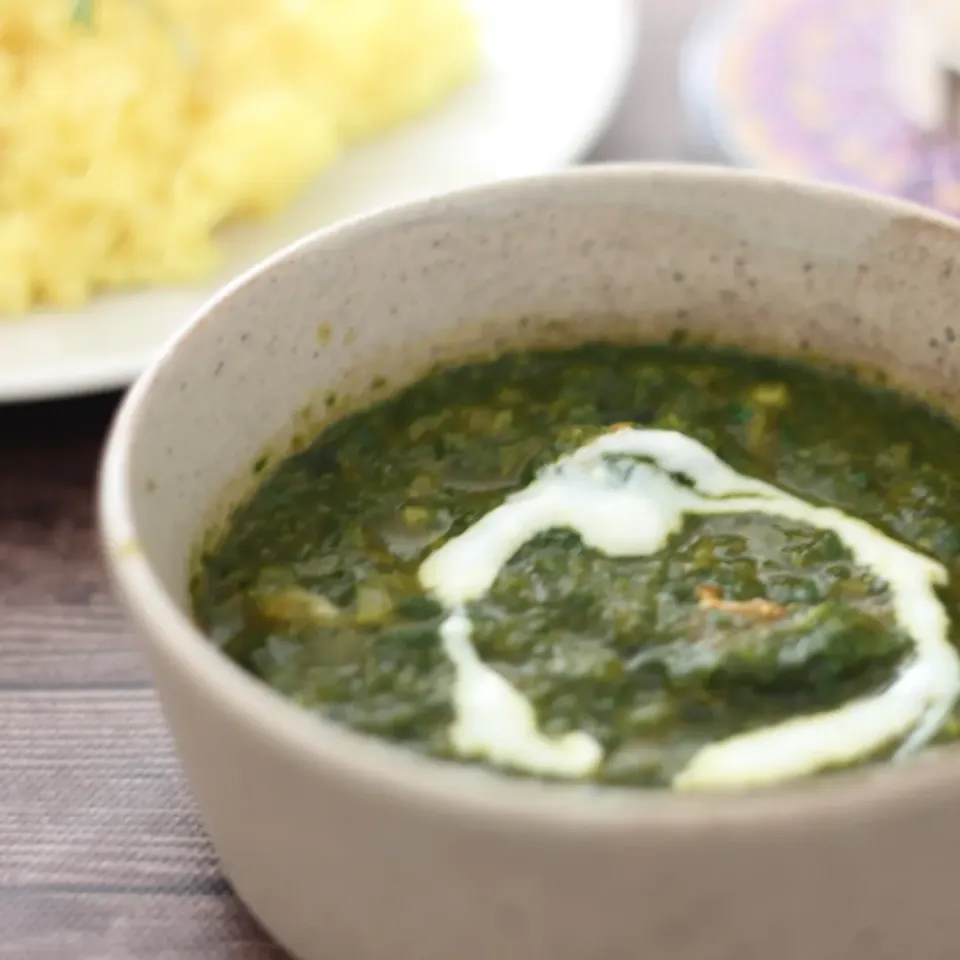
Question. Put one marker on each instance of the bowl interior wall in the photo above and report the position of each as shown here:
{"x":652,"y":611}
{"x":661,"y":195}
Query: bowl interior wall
{"x":746,"y":263}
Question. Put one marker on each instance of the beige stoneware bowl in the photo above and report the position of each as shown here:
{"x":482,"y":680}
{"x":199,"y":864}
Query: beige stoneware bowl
{"x":351,"y":849}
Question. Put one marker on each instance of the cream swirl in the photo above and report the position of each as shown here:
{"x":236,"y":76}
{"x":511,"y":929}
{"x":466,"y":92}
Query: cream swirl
{"x":634,"y":512}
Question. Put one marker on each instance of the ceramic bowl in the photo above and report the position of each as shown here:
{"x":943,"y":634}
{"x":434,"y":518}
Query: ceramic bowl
{"x":351,"y":848}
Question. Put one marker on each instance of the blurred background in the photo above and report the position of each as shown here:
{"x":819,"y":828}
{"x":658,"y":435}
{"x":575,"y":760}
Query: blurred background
{"x":156,"y":148}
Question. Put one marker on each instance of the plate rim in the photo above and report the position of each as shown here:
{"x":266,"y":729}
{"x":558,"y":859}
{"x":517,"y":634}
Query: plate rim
{"x":699,"y":65}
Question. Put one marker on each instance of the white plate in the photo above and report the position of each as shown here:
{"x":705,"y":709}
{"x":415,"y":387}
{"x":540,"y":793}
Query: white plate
{"x":552,"y":77}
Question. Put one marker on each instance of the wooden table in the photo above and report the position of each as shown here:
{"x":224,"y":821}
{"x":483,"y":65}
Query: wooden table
{"x":101,"y":853}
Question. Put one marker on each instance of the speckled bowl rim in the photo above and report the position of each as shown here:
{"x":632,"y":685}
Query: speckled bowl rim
{"x":448,"y":788}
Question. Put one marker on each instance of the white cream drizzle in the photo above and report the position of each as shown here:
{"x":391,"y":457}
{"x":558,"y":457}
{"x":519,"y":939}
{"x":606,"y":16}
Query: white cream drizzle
{"x":634,"y":514}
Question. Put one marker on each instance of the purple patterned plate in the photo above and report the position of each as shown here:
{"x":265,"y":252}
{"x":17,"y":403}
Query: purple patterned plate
{"x":799,"y":87}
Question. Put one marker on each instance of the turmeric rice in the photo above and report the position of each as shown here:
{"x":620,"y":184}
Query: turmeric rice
{"x":128,"y":140}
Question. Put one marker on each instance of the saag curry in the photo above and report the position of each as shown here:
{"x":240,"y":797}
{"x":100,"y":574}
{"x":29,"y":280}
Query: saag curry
{"x":736,"y":623}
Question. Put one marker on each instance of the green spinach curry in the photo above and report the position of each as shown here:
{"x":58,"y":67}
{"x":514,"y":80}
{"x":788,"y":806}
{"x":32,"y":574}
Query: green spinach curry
{"x":736,"y":623}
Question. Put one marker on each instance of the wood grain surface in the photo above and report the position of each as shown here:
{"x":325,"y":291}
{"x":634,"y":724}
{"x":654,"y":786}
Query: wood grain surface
{"x":101,"y":854}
